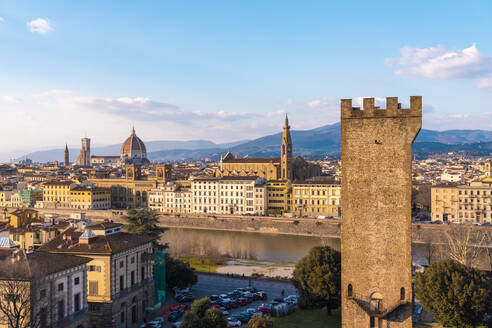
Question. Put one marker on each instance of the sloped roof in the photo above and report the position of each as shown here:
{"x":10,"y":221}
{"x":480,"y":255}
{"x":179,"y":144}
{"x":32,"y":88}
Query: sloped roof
{"x":17,"y":264}
{"x":253,"y":160}
{"x":68,"y":242}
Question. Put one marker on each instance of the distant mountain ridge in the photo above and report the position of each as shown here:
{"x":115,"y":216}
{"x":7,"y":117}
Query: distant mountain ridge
{"x":152,"y":146}
{"x":324,"y":140}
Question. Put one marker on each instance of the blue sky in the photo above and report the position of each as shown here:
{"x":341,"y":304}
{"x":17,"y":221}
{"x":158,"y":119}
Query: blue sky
{"x":229,"y":70}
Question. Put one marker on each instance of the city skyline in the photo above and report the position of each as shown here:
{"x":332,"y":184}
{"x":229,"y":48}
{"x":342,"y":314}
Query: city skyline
{"x":226,"y":72}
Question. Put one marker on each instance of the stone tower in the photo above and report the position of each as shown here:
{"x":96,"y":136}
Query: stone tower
{"x":376,"y":210}
{"x":67,"y":156}
{"x":286,"y":152}
{"x":85,"y":152}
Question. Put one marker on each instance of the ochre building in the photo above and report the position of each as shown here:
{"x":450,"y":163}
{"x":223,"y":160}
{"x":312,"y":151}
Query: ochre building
{"x":464,"y":203}
{"x":316,"y":198}
{"x":119,"y":275}
{"x":284,"y":167}
{"x":133,"y":191}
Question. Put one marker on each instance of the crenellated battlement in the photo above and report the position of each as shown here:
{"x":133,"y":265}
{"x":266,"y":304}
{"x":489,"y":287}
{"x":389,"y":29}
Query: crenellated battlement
{"x":393,"y":108}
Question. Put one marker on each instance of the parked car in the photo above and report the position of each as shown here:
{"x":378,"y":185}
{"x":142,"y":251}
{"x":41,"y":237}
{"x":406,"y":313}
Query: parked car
{"x":265,"y":308}
{"x":242,"y":301}
{"x":224,"y":311}
{"x":244,"y":317}
{"x":159,"y":319}
{"x":174,"y":316}
{"x":262,"y":294}
{"x":153,"y":324}
{"x":183,"y":307}
{"x":234,"y":323}
{"x":185,"y":298}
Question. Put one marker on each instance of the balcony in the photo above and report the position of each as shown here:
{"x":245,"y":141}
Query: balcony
{"x":375,"y":307}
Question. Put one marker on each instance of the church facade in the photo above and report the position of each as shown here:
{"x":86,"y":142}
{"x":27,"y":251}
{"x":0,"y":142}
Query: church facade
{"x":284,"y":167}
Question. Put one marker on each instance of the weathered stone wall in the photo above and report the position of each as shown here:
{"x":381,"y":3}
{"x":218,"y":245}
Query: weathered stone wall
{"x":421,"y":233}
{"x":376,"y":208}
{"x":306,"y":227}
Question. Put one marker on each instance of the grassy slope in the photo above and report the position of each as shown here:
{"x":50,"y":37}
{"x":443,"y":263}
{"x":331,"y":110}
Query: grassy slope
{"x":309,"y":318}
{"x":196,"y":264}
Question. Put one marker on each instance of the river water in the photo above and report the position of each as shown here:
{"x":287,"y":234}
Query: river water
{"x":262,"y":246}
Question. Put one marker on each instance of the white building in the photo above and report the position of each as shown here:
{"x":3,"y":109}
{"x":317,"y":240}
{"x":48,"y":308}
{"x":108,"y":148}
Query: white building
{"x":229,"y":195}
{"x":452,"y":177}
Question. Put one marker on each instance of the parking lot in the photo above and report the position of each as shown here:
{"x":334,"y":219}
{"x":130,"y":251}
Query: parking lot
{"x":215,"y":285}
{"x":210,"y":284}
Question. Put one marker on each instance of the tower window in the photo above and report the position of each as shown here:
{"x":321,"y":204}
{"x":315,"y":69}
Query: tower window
{"x":402,"y":294}
{"x":372,"y":323}
{"x":349,"y":290}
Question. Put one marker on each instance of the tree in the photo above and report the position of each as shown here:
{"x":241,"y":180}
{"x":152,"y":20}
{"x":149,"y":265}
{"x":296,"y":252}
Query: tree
{"x":15,"y":304}
{"x":214,"y":318}
{"x":258,"y":321}
{"x":143,"y":221}
{"x":457,"y":296}
{"x":202,"y":316}
{"x":430,"y":250}
{"x":464,"y":244}
{"x":201,"y":306}
{"x":178,"y":273}
{"x":317,"y":279}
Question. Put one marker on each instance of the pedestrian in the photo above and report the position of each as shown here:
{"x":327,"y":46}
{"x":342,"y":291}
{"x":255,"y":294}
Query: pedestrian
{"x":282,"y":293}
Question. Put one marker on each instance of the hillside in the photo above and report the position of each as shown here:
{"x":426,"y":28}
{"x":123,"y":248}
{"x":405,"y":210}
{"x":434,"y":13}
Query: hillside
{"x":316,"y":142}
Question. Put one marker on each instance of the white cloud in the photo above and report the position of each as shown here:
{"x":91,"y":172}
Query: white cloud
{"x":473,"y":121}
{"x":145,"y":109}
{"x":2,"y":20}
{"x":324,"y":103}
{"x":278,"y":112}
{"x":444,"y":64}
{"x":40,"y":25}
{"x":11,"y":99}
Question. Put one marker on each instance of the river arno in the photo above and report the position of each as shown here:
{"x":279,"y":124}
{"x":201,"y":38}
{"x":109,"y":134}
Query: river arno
{"x":259,"y":246}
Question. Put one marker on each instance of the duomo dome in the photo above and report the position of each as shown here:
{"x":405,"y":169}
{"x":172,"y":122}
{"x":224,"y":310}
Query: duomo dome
{"x":133,"y":150}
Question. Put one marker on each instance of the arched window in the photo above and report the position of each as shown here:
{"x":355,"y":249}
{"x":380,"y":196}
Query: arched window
{"x":349,"y":290}
{"x":402,"y":294}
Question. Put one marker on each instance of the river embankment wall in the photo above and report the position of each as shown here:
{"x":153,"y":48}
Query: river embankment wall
{"x":421,"y":233}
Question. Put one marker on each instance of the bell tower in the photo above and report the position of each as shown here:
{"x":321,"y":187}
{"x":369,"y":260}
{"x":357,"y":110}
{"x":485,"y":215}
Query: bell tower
{"x":376,"y":208}
{"x":163,"y":172}
{"x":286,"y":152}
{"x":66,"y":161}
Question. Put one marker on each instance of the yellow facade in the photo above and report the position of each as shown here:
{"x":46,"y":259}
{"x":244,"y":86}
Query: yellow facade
{"x":278,"y":196}
{"x":99,"y":278}
{"x":90,"y":198}
{"x":463,"y":203}
{"x":32,"y":237}
{"x":57,"y":194}
{"x":24,"y":216}
{"x":316,"y":199}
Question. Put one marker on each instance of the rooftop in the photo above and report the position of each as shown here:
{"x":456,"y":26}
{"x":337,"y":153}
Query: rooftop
{"x":253,"y":160}
{"x":21,"y":265}
{"x":68,"y":242}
